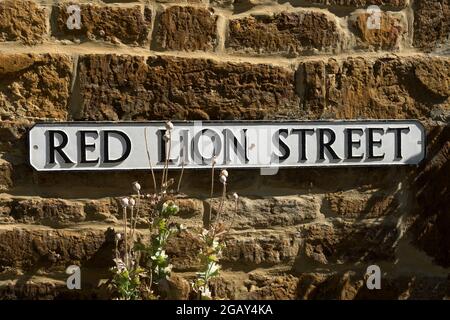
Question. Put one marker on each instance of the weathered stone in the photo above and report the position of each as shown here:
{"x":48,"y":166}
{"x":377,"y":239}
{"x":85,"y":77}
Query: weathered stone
{"x":431,"y":183}
{"x":22,"y":21}
{"x":351,"y":285}
{"x":267,"y":212}
{"x":345,"y":242}
{"x":45,"y":248}
{"x":13,"y":142}
{"x":285,"y":33}
{"x":174,"y":288}
{"x":6,"y":179}
{"x":189,"y":207}
{"x":263,"y":287}
{"x":127,"y":24}
{"x":435,"y":77}
{"x":225,"y":286}
{"x":431,"y":24}
{"x":358,"y":3}
{"x":244,"y":4}
{"x":386,"y":37}
{"x":187,"y":29}
{"x":260,"y":248}
{"x":183,"y":250}
{"x":50,"y":212}
{"x":381,"y":88}
{"x":132,"y":88}
{"x":34,"y":86}
{"x":361,"y":205}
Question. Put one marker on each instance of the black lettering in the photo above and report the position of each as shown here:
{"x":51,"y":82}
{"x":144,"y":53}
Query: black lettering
{"x":323,"y":145}
{"x":53,"y":149}
{"x":127,"y":148}
{"x":302,"y":141}
{"x":239,"y":149}
{"x":371,"y":143}
{"x":398,"y":140}
{"x":282,"y":146}
{"x":215,"y":139}
{"x":352,"y":143}
{"x":84,"y":147}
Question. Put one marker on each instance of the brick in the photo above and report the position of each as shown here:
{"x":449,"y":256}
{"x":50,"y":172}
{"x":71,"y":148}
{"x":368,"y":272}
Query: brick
{"x":124,"y":87}
{"x":378,"y":88}
{"x":392,"y":28}
{"x":186,"y":29}
{"x":288,"y":34}
{"x":35,"y":86}
{"x":125,"y":24}
{"x":431,"y":24}
{"x":22,"y":21}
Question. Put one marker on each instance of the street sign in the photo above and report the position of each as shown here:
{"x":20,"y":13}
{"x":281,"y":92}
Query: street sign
{"x":232,"y":144}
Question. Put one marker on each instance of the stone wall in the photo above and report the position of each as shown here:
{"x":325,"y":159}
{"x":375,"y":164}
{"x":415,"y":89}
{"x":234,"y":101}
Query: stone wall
{"x":301,"y":234}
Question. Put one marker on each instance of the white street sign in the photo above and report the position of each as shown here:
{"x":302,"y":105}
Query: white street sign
{"x":234,"y":144}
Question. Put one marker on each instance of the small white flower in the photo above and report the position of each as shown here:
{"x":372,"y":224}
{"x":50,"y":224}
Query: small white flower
{"x":120,"y":265}
{"x":235,"y":196}
{"x":223,"y":179}
{"x":118,"y":236}
{"x":214,"y":267}
{"x":168,"y":269}
{"x":132,"y":202}
{"x":215,"y":244}
{"x":205,"y":292}
{"x":169,"y":126}
{"x":124,"y":202}
{"x":136,"y":186}
{"x":224,"y":173}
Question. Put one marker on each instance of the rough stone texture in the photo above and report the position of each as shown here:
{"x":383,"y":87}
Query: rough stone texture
{"x":268,"y":212}
{"x":130,"y":88}
{"x":432,"y":191}
{"x":358,"y":3}
{"x":263,"y":248}
{"x":51,"y":212}
{"x":263,"y":287}
{"x":351,"y":285}
{"x":361,"y":205}
{"x":22,"y":21}
{"x":387,"y":37}
{"x":285,"y":33}
{"x":35,"y":86}
{"x":238,"y":4}
{"x":324,"y":244}
{"x":127,"y":25}
{"x":186,"y":28}
{"x":246,"y":4}
{"x":35,"y":248}
{"x":5,"y":175}
{"x":431,"y":24}
{"x":382,"y":88}
{"x":304,"y":233}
